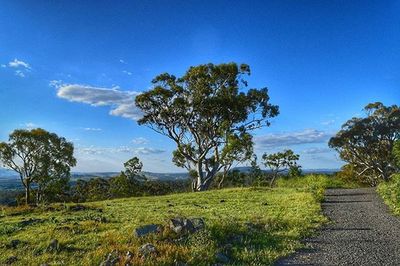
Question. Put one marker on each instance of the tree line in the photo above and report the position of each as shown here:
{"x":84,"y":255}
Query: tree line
{"x":210,"y":113}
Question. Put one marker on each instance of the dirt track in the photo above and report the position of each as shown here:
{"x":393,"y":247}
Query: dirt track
{"x":361,"y":232}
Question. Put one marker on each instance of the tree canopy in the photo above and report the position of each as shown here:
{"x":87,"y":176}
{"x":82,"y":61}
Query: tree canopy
{"x":367,"y":143}
{"x":209,"y":113}
{"x":38,"y":157}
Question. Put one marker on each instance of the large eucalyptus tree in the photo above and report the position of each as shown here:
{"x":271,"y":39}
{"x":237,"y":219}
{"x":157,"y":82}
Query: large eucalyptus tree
{"x":367,"y":143}
{"x":209,"y":113}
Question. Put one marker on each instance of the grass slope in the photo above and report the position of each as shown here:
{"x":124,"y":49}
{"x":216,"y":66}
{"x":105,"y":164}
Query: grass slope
{"x":280,"y":217}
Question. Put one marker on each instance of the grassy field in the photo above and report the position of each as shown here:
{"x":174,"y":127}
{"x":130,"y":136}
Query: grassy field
{"x":251,"y":226}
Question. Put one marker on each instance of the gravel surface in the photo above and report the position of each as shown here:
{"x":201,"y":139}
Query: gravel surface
{"x":361,"y":232}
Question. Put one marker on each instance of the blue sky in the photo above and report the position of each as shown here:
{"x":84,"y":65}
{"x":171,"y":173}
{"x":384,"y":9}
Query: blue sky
{"x":74,"y":68}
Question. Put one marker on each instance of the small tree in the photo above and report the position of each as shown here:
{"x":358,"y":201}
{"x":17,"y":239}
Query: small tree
{"x":367,"y":143}
{"x":133,"y":168}
{"x":204,"y":112}
{"x":38,"y":157}
{"x":280,"y":162}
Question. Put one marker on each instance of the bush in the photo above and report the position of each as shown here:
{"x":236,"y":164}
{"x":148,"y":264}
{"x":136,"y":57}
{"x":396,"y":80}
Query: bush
{"x":390,"y":192}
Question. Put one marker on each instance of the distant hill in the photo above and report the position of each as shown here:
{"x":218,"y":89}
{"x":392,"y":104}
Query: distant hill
{"x":246,"y":169}
{"x":7,"y":173}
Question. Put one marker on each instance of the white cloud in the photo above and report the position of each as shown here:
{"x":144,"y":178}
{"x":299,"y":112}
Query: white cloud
{"x":56,"y":83}
{"x":292,"y":138}
{"x":316,"y":151}
{"x":147,"y":151}
{"x":3,"y":66}
{"x":19,"y":64}
{"x":123,"y":149}
{"x":122,"y":61}
{"x":92,"y":129}
{"x":140,"y":140}
{"x":21,"y":67}
{"x":127,"y":72}
{"x":19,"y":73}
{"x":122,"y":103}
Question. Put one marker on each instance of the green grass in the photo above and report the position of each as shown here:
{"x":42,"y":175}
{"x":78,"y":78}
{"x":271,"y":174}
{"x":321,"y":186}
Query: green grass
{"x":280,"y":217}
{"x":315,"y":184}
{"x":390,"y":193}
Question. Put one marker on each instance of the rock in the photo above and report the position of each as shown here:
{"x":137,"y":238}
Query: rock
{"x":53,"y":246}
{"x":14,"y":243}
{"x":176,"y":225}
{"x":111,"y":260}
{"x":11,"y":260}
{"x":147,"y":249}
{"x":222,"y":258}
{"x":77,"y":207}
{"x":30,"y":221}
{"x":184,"y":226}
{"x":147,"y":229}
{"x":198,"y":223}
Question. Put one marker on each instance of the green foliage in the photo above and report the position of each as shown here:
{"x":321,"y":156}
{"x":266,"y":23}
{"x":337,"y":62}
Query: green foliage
{"x":209,"y":116}
{"x":396,"y":153}
{"x":254,"y":226}
{"x":133,"y":167}
{"x":390,"y":192}
{"x":348,"y":174}
{"x":295,"y":171}
{"x":281,"y":161}
{"x":367,"y":143}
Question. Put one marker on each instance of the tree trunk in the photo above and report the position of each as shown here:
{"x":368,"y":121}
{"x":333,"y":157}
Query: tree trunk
{"x":27,"y":193}
{"x":271,"y":184}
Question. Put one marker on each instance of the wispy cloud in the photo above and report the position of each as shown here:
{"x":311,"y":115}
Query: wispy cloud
{"x":19,"y":73}
{"x":92,"y":129}
{"x":19,"y":64}
{"x":292,"y":138}
{"x":56,"y":83}
{"x":123,"y":149}
{"x":140,"y":140}
{"x":21,"y":67}
{"x":127,"y":72}
{"x":122,"y":61}
{"x":122,"y":103}
{"x":316,"y":151}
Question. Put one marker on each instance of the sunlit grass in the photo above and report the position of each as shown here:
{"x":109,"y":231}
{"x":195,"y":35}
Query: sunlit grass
{"x":282,"y":216}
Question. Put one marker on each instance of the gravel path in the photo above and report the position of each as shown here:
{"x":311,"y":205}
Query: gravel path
{"x":362,"y":232}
